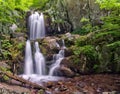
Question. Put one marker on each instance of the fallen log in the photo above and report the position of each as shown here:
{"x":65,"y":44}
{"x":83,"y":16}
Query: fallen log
{"x":23,"y":81}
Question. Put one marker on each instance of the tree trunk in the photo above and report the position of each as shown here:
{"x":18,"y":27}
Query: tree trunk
{"x":23,"y":81}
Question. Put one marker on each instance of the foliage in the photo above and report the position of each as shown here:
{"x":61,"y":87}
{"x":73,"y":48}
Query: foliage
{"x":103,"y":34}
{"x":39,"y":4}
{"x":81,"y":31}
{"x":86,"y":28}
{"x":114,"y":45}
{"x":13,"y":12}
{"x":81,"y":41}
{"x":109,"y":4}
{"x":5,"y":45}
{"x":16,"y":50}
{"x":87,"y":50}
{"x":113,"y":8}
{"x":4,"y":69}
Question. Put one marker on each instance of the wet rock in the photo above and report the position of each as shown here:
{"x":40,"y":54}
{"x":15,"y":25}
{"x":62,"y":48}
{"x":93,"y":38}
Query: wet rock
{"x":77,"y":92}
{"x":17,"y":34}
{"x":41,"y":91}
{"x":51,"y":42}
{"x":68,"y":52}
{"x":81,"y":84}
{"x":99,"y":90}
{"x":49,"y":84}
{"x":89,"y":90}
{"x":66,"y":11}
{"x":69,"y":36}
{"x":66,"y":71}
{"x":60,"y":83}
{"x":113,"y":92}
{"x":7,"y":91}
{"x":66,"y":62}
{"x":47,"y":92}
{"x":62,"y":88}
{"x":49,"y":57}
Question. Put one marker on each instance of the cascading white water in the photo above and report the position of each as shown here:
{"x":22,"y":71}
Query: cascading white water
{"x":37,"y":31}
{"x":39,"y":61}
{"x":63,"y":44}
{"x":58,"y":58}
{"x":42,"y":26}
{"x":54,"y":66}
{"x":40,"y":68}
{"x":36,"y":26}
{"x":28,"y":67}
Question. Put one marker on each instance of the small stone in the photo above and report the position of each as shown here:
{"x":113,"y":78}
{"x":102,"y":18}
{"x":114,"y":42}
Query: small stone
{"x":56,"y":89}
{"x":60,"y":83}
{"x":48,"y":92}
{"x":77,"y":92}
{"x":63,"y":88}
{"x":92,"y":84}
{"x":113,"y":92}
{"x":49,"y":84}
{"x":105,"y":92}
{"x":41,"y":91}
{"x":99,"y":89}
{"x":82,"y":85}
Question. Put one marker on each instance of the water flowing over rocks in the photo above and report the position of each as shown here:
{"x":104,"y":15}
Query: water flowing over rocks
{"x":70,"y":48}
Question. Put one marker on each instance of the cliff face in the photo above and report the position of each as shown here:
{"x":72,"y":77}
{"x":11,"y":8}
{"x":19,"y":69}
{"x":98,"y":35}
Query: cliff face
{"x":78,"y":9}
{"x":73,"y":11}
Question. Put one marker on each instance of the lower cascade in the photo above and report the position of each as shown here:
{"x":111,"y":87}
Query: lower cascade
{"x":39,"y":61}
{"x":28,"y":67}
{"x":58,"y":58}
{"x":35,"y":68}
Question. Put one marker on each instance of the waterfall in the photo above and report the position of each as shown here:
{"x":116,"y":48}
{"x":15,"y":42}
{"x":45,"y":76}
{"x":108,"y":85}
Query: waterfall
{"x":63,"y":44}
{"x":36,"y":71}
{"x":39,"y":66}
{"x":36,"y":26}
{"x":57,"y":58}
{"x":54,"y":66}
{"x":28,"y":67}
{"x":39,"y":61}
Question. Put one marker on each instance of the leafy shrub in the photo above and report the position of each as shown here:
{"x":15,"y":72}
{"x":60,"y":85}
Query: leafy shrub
{"x":112,"y":20}
{"x":114,"y":45}
{"x":87,"y":50}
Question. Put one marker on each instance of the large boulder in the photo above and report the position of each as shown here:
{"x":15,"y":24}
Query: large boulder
{"x":64,"y":71}
{"x":79,"y":65}
{"x":51,"y":42}
{"x":67,"y":72}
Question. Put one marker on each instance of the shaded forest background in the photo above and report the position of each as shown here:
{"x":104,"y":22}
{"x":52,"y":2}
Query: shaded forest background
{"x":97,"y":22}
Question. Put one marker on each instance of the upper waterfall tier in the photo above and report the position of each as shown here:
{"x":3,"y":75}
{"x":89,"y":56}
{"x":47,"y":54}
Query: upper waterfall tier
{"x":36,"y":26}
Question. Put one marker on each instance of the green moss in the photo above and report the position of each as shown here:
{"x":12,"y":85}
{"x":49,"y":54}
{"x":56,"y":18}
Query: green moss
{"x":105,"y":37}
{"x":114,"y":45}
{"x":75,"y":59}
{"x":81,"y":41}
{"x":20,"y":46}
{"x":3,"y":69}
{"x":104,"y":34}
{"x":87,"y":50}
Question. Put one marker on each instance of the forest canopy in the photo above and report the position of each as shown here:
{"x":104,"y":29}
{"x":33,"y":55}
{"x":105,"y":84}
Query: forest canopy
{"x":10,"y":9}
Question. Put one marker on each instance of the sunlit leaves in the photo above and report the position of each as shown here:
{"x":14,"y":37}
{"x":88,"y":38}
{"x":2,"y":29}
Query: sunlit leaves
{"x":109,"y":4}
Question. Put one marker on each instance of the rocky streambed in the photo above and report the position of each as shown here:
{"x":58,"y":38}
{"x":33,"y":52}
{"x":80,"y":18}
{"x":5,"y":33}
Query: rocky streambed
{"x":88,"y":84}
